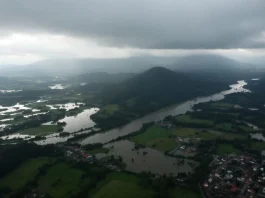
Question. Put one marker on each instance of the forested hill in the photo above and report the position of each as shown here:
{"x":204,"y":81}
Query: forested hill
{"x":155,"y":88}
{"x":161,"y":86}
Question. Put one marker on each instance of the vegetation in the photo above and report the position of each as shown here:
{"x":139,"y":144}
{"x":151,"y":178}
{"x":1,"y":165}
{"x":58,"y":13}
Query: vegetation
{"x":155,"y":137}
{"x":256,"y":145}
{"x":98,"y":150}
{"x":144,"y":93}
{"x":184,"y":193}
{"x":221,"y":105}
{"x":187,"y":119}
{"x":223,"y":149}
{"x":119,"y":185}
{"x":24,"y":173}
{"x":195,"y":133}
{"x":61,"y":180}
{"x":41,"y":130}
{"x":110,"y":109}
{"x":225,"y":126}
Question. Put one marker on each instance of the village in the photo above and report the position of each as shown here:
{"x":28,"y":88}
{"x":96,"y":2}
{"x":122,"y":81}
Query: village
{"x":80,"y":155}
{"x":235,"y":176}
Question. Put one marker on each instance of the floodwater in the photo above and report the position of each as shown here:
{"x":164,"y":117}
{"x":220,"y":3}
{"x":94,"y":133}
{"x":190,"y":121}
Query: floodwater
{"x":258,"y":136}
{"x":55,"y":138}
{"x":153,"y":161}
{"x":80,"y":121}
{"x":17,"y":135}
{"x":9,"y":91}
{"x":160,"y":114}
{"x":58,"y":86}
{"x":253,"y":109}
{"x":9,"y":109}
{"x":67,"y":106}
{"x":73,"y":124}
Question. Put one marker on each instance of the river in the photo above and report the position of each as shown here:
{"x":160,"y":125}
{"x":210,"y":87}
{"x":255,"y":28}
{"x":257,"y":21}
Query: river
{"x":135,"y":125}
{"x":160,"y":114}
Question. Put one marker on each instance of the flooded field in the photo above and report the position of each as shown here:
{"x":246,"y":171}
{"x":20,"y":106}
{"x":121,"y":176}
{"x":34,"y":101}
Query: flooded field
{"x":147,"y":159}
{"x":80,"y":121}
{"x":58,"y":86}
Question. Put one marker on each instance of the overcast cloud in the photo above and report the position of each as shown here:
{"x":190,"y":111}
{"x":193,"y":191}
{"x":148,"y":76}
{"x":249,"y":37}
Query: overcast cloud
{"x":120,"y":28}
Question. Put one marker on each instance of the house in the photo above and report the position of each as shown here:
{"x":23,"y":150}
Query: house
{"x":183,"y":147}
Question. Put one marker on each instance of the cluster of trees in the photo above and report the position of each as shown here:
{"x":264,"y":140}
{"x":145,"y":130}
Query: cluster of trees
{"x":14,"y":155}
{"x":144,"y":94}
{"x":35,"y":121}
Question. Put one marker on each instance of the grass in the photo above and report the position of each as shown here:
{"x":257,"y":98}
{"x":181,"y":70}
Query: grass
{"x":124,"y":177}
{"x":98,"y":150}
{"x":130,"y":102}
{"x":24,"y":173}
{"x":247,"y":128}
{"x":61,"y":180}
{"x":155,"y":137}
{"x":225,"y":126}
{"x":257,"y":146}
{"x":189,"y":120}
{"x":193,"y":133}
{"x":120,"y":185}
{"x":223,"y":149}
{"x":41,"y":130}
{"x":222,"y":105}
{"x":110,"y":109}
{"x":206,"y":135}
{"x":183,"y":193}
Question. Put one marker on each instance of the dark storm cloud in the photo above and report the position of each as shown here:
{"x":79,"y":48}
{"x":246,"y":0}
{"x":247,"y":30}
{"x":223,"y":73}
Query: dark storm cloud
{"x":157,"y":24}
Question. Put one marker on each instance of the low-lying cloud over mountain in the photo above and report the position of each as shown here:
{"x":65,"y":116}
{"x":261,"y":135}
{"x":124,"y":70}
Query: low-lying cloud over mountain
{"x":120,"y":28}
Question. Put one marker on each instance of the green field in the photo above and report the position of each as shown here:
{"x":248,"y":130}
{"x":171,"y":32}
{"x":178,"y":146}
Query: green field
{"x":62,"y":180}
{"x":257,"y":146}
{"x":155,"y":137}
{"x":183,"y":193}
{"x":98,"y":150}
{"x":223,"y":149}
{"x":120,"y":185}
{"x":222,"y":105}
{"x":23,"y":174}
{"x":110,"y":109}
{"x":189,"y":120}
{"x":205,"y":134}
{"x":41,"y":130}
{"x":195,"y":133}
{"x":246,"y":128}
{"x":224,"y":126}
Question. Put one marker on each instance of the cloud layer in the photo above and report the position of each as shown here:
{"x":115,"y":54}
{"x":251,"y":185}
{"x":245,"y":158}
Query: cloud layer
{"x":152,"y":24}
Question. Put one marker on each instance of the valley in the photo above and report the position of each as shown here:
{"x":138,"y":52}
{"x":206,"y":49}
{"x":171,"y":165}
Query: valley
{"x":170,"y":140}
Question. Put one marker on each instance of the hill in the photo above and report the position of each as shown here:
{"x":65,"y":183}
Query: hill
{"x":149,"y":91}
{"x":217,"y":68}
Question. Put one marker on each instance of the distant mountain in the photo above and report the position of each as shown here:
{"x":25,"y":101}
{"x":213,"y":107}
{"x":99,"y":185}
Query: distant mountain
{"x":217,"y":68}
{"x":71,"y":67}
{"x":103,"y":77}
{"x":206,"y":63}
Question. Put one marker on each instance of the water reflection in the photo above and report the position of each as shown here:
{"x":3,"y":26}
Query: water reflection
{"x":58,"y":86}
{"x":159,"y":115}
{"x":258,"y":136}
{"x":153,"y":160}
{"x":80,"y":121}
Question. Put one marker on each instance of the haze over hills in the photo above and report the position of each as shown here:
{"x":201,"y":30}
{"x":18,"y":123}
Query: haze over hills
{"x":71,"y":67}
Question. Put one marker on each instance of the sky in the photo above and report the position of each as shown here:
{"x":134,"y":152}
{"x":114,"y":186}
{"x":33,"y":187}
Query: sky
{"x":32,"y":30}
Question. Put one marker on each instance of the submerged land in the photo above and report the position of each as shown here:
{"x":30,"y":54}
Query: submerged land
{"x":159,"y":133}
